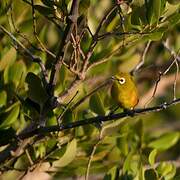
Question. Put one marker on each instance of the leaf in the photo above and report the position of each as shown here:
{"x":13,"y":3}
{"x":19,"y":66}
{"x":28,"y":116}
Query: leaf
{"x":152,"y":157}
{"x":68,"y":156}
{"x":112,"y":127}
{"x":8,"y":59}
{"x":3,"y":98}
{"x":165,"y":168}
{"x":138,"y":16}
{"x":153,"y":9}
{"x":166,"y":141}
{"x":150,"y":174}
{"x":127,"y":163}
{"x":83,"y":6}
{"x":36,"y":91}
{"x":15,"y":74}
{"x":174,"y":19}
{"x":112,"y":174}
{"x":6,"y":135}
{"x":46,"y":11}
{"x":48,"y":2}
{"x":96,"y":105}
{"x":173,"y":1}
{"x":156,"y":35}
{"x":11,"y":117}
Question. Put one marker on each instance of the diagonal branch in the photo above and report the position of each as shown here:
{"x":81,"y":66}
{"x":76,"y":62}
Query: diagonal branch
{"x":23,"y":50}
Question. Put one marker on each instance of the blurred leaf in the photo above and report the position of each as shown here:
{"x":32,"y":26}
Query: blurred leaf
{"x":46,"y":11}
{"x":36,"y":91}
{"x":83,"y":6}
{"x":152,"y":157}
{"x":174,"y":19}
{"x":96,"y":105}
{"x":166,"y":168}
{"x":112,"y":174}
{"x":173,"y":1}
{"x":127,"y":163}
{"x":11,"y":117}
{"x":153,"y":10}
{"x":112,"y":127}
{"x":3,"y":98}
{"x":8,"y":59}
{"x":137,"y":3}
{"x":171,"y":174}
{"x":166,"y":141}
{"x":138,"y":17}
{"x":6,"y":135}
{"x":48,"y":2}
{"x":122,"y":142}
{"x":150,"y":174}
{"x":68,"y":116}
{"x":68,"y":156}
{"x":40,"y":150}
{"x":15,"y":74}
{"x":156,"y":35}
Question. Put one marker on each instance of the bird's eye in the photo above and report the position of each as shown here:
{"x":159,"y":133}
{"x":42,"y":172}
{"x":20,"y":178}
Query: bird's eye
{"x":122,"y":80}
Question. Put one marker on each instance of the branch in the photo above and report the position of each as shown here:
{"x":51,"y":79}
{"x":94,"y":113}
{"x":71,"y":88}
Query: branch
{"x":26,"y":52}
{"x":72,"y":20}
{"x":143,"y":56}
{"x":135,"y":112}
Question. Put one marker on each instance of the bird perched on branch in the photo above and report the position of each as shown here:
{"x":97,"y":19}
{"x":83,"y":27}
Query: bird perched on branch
{"x":124,"y":91}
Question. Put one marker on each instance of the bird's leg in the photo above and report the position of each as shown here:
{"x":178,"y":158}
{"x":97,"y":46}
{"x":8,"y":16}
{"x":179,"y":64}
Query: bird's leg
{"x":130,"y":112}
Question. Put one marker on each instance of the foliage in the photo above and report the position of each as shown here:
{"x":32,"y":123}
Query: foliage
{"x":54,"y":58}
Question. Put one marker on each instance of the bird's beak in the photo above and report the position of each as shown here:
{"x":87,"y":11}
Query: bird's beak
{"x":113,"y":78}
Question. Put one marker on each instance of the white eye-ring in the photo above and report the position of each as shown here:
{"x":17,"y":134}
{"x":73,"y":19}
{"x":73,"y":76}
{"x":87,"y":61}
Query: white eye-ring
{"x":122,"y":80}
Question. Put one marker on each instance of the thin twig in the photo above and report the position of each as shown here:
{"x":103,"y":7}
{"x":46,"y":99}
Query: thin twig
{"x":172,"y":52}
{"x":175,"y":80}
{"x":89,"y":94}
{"x":43,"y":48}
{"x":159,"y":79}
{"x":65,"y":110}
{"x":142,"y":60}
{"x":36,"y":59}
{"x":92,"y":154}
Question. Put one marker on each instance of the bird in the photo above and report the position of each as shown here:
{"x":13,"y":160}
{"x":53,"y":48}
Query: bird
{"x":124,"y":91}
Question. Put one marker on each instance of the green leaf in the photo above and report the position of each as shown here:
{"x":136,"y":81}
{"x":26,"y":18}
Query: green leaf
{"x":174,"y":19}
{"x":10,"y":117}
{"x":113,"y":127}
{"x":48,"y":2}
{"x":112,"y":174}
{"x":83,"y":6}
{"x":150,"y":174}
{"x":173,"y":1}
{"x":153,"y":8}
{"x":127,"y":163}
{"x":165,"y":168}
{"x":166,"y":141}
{"x":68,"y":156}
{"x":138,"y":17}
{"x":40,"y":150}
{"x":152,"y":156}
{"x":8,"y":59}
{"x":96,"y":105}
{"x":156,"y":35}
{"x":36,"y":91}
{"x":7,"y":135}
{"x":46,"y":11}
{"x":3,"y":98}
{"x":15,"y":74}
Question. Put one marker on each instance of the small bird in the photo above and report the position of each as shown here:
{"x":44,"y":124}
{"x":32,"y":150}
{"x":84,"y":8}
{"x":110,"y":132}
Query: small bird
{"x":124,"y":91}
